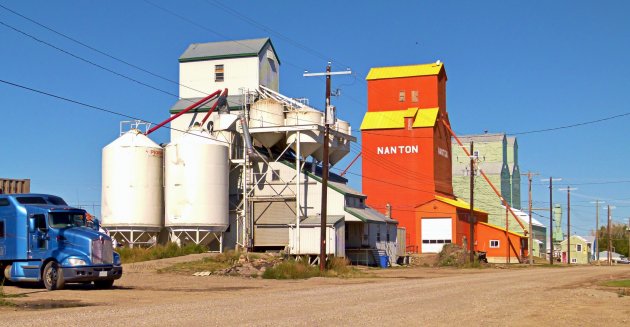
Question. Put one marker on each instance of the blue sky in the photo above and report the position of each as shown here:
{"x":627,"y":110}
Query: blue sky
{"x":512,"y":67}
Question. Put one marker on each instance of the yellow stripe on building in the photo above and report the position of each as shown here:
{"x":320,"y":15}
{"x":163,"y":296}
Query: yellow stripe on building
{"x":404,"y":71}
{"x":396,"y":118}
{"x":426,"y":117}
{"x":387,"y":119}
{"x":457,"y":203}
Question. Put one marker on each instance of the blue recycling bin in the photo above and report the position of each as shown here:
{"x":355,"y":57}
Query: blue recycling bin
{"x":383,"y":261}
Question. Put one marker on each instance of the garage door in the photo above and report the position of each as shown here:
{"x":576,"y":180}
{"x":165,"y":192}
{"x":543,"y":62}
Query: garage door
{"x":435,"y":233}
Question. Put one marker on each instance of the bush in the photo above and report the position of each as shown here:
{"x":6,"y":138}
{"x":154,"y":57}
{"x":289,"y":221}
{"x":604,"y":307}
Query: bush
{"x":291,"y":269}
{"x":129,"y":255}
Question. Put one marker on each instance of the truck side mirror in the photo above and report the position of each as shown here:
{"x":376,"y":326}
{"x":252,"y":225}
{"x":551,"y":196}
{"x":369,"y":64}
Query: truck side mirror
{"x":32,"y":224}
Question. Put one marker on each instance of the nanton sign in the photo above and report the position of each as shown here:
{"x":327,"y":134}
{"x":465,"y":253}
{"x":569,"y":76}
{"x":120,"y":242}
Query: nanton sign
{"x":397,"y":149}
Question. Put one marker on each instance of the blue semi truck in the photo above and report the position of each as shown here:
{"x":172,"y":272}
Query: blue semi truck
{"x":42,"y":239}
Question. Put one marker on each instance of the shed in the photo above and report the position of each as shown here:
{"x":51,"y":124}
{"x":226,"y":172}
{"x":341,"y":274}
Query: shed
{"x":310,"y":233}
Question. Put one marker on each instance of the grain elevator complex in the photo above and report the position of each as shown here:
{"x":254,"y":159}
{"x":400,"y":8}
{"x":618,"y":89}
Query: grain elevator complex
{"x":243,"y":167}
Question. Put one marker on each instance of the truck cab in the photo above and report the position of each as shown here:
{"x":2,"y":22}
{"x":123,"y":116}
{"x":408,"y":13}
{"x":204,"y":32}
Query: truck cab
{"x":42,"y":239}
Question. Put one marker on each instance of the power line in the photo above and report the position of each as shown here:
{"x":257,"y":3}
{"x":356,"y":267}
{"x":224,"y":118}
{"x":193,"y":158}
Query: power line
{"x":85,"y":60}
{"x":97,"y":50}
{"x":96,"y":107}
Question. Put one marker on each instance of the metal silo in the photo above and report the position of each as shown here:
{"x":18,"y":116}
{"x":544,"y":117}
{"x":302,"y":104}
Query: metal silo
{"x":132,"y":194}
{"x":342,"y":146}
{"x":267,"y":113}
{"x":196,"y":187}
{"x":310,"y":140}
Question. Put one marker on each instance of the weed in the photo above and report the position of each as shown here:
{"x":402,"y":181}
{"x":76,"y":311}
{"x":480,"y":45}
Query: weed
{"x":129,"y":255}
{"x":214,"y":263}
{"x":291,"y":269}
{"x":4,"y":296}
{"x":300,"y":269}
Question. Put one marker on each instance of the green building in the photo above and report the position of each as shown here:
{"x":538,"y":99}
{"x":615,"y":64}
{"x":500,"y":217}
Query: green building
{"x":498,"y":158}
{"x":581,"y":247}
{"x":515,"y":172}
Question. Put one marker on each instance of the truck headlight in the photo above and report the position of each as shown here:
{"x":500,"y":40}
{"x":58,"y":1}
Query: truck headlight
{"x":116,"y":259}
{"x":76,"y":262}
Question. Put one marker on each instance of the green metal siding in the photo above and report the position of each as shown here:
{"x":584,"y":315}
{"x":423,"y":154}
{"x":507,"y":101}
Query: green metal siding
{"x":493,"y":159}
{"x":581,"y":256}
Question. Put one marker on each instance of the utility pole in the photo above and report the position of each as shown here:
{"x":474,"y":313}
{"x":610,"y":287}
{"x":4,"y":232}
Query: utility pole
{"x":568,"y":189}
{"x":609,"y":238}
{"x":551,"y":217}
{"x":471,"y":219}
{"x":597,"y":202}
{"x":529,"y":202}
{"x":325,"y":162}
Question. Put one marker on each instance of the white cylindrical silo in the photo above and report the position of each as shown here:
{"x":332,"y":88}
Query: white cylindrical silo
{"x":132,"y":193}
{"x":310,"y":141}
{"x":196,"y":182}
{"x":267,"y":113}
{"x":342,"y":146}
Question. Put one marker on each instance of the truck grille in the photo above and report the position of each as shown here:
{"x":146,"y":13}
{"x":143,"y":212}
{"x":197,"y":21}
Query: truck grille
{"x":102,"y":252}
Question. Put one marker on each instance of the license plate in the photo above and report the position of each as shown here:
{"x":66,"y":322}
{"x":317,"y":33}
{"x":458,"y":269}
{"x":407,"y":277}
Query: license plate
{"x":102,"y":274}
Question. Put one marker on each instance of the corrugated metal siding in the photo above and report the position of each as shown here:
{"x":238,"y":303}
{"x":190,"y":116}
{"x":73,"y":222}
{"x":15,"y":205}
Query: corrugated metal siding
{"x":15,"y":186}
{"x":274,"y":213}
{"x":340,"y":244}
{"x":401,"y":239}
{"x":271,"y":235}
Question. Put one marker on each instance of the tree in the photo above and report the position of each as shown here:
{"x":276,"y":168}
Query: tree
{"x":619,"y":236}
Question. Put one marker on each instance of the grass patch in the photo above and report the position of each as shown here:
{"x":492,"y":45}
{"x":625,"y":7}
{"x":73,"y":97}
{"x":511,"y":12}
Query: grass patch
{"x":212,"y":264}
{"x":130,"y":255}
{"x":617,"y":283}
{"x":4,"y":296}
{"x":300,"y":269}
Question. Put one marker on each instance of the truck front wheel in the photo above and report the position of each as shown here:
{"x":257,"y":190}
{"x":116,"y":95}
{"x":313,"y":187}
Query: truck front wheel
{"x":53,"y":276}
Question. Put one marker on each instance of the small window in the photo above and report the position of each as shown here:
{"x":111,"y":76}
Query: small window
{"x":4,"y":202}
{"x":31,"y":200}
{"x":275,"y":175}
{"x":573,"y":260}
{"x":401,"y":96}
{"x":578,"y":247}
{"x":378,"y":237}
{"x":494,"y":244}
{"x":218,"y":73}
{"x":414,"y":96}
{"x":40,"y":222}
{"x":57,"y":201}
{"x":1,"y":228}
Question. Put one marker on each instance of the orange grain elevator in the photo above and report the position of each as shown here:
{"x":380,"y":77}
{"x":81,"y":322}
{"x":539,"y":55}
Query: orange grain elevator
{"x":406,"y":151}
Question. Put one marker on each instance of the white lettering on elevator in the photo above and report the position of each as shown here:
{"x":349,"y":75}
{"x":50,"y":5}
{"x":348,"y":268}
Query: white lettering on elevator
{"x":397,"y":149}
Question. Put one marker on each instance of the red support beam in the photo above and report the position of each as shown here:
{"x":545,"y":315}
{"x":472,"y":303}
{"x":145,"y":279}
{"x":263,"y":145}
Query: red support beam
{"x":486,"y":178}
{"x":192,"y":106}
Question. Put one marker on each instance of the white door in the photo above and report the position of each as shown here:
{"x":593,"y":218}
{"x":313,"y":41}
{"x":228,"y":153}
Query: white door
{"x":435,"y":233}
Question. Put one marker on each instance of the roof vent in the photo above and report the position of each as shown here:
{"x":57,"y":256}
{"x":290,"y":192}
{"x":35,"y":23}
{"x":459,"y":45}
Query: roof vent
{"x":438,"y":62}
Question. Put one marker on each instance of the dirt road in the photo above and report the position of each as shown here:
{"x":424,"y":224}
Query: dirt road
{"x":396,"y":297}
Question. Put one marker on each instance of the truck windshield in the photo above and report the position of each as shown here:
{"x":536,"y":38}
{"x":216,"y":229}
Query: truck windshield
{"x":66,"y":219}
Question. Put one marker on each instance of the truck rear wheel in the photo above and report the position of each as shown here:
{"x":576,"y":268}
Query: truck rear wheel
{"x":103,"y":284}
{"x":53,"y":276}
